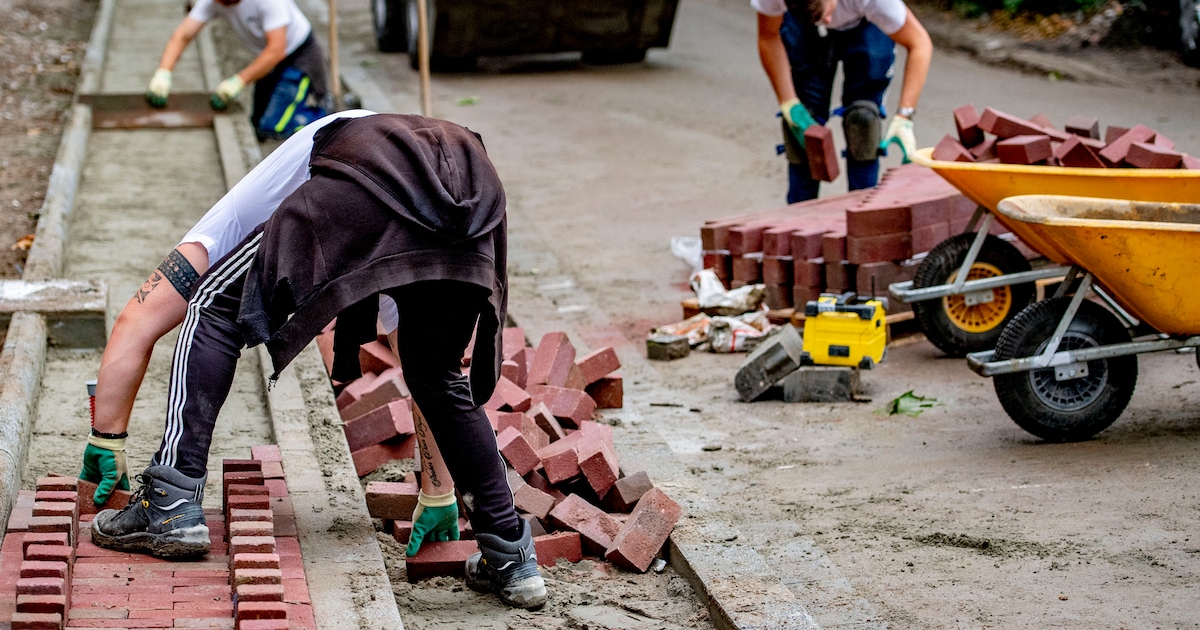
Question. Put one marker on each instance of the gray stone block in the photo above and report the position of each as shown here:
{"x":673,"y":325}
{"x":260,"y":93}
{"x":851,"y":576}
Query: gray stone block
{"x":821,"y":383}
{"x":774,"y":359}
{"x":667,"y":347}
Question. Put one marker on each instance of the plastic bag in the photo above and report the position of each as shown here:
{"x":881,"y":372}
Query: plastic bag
{"x":687,"y":249}
{"x":711,"y":293}
{"x":695,"y":327}
{"x":738,"y":334}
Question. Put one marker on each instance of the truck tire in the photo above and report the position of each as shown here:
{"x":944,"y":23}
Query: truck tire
{"x":391,"y":32}
{"x":1189,"y":31}
{"x":437,"y":62}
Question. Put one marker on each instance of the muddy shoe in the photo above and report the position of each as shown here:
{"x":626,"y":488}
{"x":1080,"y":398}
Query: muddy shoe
{"x":508,"y":569}
{"x":164,"y":517}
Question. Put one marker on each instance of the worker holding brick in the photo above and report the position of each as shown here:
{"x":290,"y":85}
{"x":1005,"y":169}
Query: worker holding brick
{"x":406,"y":206}
{"x":801,"y":42}
{"x":274,"y":30}
{"x":160,"y":304}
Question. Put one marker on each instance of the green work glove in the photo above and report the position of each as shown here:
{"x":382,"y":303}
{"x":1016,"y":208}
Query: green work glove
{"x":797,"y":117}
{"x":435,"y":519}
{"x":159,"y":88}
{"x":226,"y":92}
{"x":900,"y":131}
{"x":104,"y":465}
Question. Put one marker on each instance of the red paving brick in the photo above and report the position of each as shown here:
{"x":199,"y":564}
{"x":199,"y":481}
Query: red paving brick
{"x":44,"y":575}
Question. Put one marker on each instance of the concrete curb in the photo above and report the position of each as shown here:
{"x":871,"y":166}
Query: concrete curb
{"x":336,"y":533}
{"x":24,"y":354}
{"x":1003,"y":50}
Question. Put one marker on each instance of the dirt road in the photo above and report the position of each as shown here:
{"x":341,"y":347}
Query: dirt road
{"x":954,"y":519}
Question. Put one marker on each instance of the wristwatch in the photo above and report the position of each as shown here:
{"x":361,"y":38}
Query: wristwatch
{"x":906,"y":112}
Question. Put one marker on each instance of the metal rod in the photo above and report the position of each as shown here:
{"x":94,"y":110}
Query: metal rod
{"x":903,"y":291}
{"x":1129,"y":320}
{"x":423,"y":57}
{"x":1044,"y":359}
{"x":973,"y":253}
{"x":334,"y":76}
{"x":981,"y":362}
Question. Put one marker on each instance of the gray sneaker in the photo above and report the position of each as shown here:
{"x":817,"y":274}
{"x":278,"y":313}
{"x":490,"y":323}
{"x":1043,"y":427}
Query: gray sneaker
{"x":508,"y":569}
{"x":164,"y":518}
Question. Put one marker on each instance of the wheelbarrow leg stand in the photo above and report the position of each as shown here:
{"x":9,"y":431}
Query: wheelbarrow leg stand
{"x":1052,"y":346}
{"x":973,"y":253}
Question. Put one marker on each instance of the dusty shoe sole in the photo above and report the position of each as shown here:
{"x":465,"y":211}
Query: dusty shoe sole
{"x":529,"y":594}
{"x":187,"y":542}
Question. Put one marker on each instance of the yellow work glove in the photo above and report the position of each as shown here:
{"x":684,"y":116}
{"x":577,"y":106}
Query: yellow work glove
{"x":797,"y":117}
{"x":435,"y":519}
{"x":900,"y":131}
{"x":226,"y":92}
{"x":159,"y":88}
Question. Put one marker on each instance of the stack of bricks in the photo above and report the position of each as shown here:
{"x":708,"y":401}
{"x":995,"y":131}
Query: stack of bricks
{"x":995,"y":136}
{"x":562,"y":466}
{"x":266,"y":570}
{"x":52,"y":576}
{"x":856,"y":242}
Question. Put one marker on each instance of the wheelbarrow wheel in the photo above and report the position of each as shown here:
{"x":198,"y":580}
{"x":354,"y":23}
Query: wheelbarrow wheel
{"x":953,"y":325}
{"x":1067,"y":410}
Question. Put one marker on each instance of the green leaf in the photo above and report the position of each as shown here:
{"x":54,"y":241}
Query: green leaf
{"x":467,"y":100}
{"x":908,"y":404}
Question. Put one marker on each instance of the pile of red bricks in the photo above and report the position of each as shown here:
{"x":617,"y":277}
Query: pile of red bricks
{"x":563,"y":468}
{"x":855,"y":242}
{"x":995,"y":136}
{"x":52,"y":576}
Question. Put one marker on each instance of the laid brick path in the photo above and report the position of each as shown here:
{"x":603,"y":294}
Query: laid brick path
{"x":252,"y":579}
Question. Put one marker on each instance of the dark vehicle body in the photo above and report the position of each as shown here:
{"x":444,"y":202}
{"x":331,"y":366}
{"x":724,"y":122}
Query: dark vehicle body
{"x":605,"y":31}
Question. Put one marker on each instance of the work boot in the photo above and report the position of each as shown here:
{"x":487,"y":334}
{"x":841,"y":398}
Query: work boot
{"x":164,"y":517}
{"x":508,"y":569}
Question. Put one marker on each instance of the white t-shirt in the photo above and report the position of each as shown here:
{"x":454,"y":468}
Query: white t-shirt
{"x":251,"y":20}
{"x":888,"y":15}
{"x":256,"y":197}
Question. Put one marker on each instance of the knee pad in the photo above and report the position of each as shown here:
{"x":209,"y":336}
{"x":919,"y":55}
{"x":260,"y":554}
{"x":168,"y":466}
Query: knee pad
{"x":862,"y":125}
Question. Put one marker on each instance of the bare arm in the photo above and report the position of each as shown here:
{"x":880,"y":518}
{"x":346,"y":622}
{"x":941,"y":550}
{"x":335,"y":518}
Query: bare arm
{"x":435,"y":477}
{"x":920,"y":52}
{"x":773,"y":56}
{"x":183,"y":35}
{"x":265,"y":62}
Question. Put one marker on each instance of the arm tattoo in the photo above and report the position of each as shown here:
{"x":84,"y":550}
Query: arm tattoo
{"x":426,"y":459}
{"x":179,"y":272}
{"x":147,"y":287}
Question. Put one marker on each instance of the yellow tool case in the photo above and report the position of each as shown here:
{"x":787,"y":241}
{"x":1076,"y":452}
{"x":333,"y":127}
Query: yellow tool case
{"x":837,"y":332}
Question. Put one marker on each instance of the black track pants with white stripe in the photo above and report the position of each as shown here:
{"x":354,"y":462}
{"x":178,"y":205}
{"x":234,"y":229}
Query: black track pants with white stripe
{"x":436,"y":323}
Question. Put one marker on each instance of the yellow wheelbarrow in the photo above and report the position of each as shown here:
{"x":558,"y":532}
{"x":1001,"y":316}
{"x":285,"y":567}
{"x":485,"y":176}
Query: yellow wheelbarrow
{"x":1065,"y":368}
{"x":971,"y":285}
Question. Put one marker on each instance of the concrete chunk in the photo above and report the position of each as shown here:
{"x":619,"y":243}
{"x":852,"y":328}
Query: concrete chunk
{"x":771,"y":361}
{"x":820,"y":383}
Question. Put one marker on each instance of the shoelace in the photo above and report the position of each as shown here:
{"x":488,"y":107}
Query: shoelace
{"x":143,"y":487}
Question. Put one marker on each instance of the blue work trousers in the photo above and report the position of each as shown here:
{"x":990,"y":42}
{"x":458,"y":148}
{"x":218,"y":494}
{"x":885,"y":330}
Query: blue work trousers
{"x":867,"y":56}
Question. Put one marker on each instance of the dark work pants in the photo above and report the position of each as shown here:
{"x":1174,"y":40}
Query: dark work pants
{"x":867,"y":56}
{"x":437,"y":320}
{"x":309,"y":60}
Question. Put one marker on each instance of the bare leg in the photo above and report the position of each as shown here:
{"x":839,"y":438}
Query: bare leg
{"x":152,"y":312}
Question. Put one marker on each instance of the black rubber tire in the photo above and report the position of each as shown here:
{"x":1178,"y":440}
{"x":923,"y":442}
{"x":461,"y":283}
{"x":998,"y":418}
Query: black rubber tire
{"x":613,"y":57}
{"x":391,"y":30}
{"x":941,"y":265}
{"x":437,"y":63}
{"x":1072,"y":410}
{"x":1189,"y":32}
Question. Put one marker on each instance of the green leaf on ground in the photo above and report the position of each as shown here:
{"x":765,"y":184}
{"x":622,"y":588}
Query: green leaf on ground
{"x":908,"y":404}
{"x":467,"y":100}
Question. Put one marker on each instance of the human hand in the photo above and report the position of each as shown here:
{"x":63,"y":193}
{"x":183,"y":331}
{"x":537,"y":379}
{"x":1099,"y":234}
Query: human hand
{"x":226,"y":92}
{"x":159,"y":88}
{"x":104,"y":465}
{"x":435,"y":519}
{"x":900,"y":131}
{"x":797,"y":117}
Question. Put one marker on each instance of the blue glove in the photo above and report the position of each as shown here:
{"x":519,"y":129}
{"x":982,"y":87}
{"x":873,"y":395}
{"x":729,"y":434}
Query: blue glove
{"x":435,"y":519}
{"x":797,"y":117}
{"x":104,"y":465}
